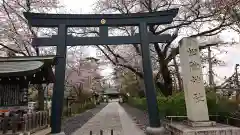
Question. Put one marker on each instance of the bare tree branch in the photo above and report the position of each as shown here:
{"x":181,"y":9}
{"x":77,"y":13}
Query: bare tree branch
{"x":15,"y":51}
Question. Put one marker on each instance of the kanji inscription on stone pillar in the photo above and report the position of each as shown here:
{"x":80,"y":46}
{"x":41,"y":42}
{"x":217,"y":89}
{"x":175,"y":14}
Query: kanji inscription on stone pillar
{"x":195,"y":95}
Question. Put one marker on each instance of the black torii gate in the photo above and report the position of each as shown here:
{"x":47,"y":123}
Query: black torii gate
{"x":103,"y":21}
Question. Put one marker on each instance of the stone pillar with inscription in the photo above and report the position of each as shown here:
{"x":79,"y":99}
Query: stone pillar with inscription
{"x":195,"y":97}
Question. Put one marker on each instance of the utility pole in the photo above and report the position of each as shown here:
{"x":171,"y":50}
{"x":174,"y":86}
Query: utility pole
{"x":210,"y":70}
{"x":236,"y":81}
{"x":178,"y":75}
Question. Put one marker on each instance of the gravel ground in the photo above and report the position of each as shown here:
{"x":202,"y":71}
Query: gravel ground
{"x":139,"y":117}
{"x":72,"y":124}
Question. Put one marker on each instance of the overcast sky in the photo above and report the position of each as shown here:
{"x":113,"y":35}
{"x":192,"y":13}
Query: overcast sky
{"x":231,"y":58}
{"x":79,"y":6}
{"x":85,"y":7}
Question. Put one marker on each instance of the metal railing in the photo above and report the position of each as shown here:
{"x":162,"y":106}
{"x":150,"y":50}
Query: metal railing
{"x":227,"y":120}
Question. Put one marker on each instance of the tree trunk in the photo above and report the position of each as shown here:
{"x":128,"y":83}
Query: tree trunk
{"x":166,"y":87}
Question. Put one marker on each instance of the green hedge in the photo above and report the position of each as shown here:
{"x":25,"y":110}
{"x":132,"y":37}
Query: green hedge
{"x":175,"y":105}
{"x":77,"y":108}
{"x":82,"y":107}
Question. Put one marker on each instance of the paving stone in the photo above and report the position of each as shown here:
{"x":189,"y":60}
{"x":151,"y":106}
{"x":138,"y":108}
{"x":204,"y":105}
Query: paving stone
{"x":107,"y":119}
{"x":72,"y":124}
{"x":112,"y":117}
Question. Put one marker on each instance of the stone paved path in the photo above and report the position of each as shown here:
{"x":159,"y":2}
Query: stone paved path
{"x":113,"y":116}
{"x":70,"y":125}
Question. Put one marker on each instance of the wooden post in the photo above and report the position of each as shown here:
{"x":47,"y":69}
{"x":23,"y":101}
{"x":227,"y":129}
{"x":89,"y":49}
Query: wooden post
{"x":5,"y":122}
{"x":44,"y":119}
{"x":29,"y":121}
{"x":1,"y":123}
{"x":33,"y":120}
{"x":47,"y":118}
{"x":112,"y":132}
{"x":24,"y":123}
{"x":37,"y":120}
{"x":41,"y":118}
{"x":14,"y":121}
{"x":38,"y":117}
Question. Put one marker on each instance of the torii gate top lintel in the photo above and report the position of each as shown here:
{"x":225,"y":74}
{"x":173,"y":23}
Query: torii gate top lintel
{"x":95,"y":20}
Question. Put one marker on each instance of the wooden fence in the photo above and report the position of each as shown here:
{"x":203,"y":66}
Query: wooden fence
{"x":30,"y":122}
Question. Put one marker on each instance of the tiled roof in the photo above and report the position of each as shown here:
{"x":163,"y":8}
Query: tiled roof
{"x":38,"y":69}
{"x":9,"y":68}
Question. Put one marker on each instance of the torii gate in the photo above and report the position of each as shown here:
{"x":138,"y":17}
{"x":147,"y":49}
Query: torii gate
{"x":103,"y":21}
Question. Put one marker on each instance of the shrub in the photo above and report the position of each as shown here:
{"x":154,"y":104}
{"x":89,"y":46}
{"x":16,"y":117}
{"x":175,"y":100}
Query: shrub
{"x":138,"y":102}
{"x":81,"y":107}
{"x":89,"y":105}
{"x":221,"y":106}
{"x":175,"y":105}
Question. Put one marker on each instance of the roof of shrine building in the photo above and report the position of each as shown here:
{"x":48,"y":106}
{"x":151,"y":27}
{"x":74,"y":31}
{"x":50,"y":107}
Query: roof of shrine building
{"x":31,"y":69}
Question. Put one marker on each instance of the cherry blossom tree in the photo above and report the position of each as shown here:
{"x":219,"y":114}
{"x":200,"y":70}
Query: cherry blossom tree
{"x":83,"y":75}
{"x":195,"y":19}
{"x":230,"y":7}
{"x":15,"y":33}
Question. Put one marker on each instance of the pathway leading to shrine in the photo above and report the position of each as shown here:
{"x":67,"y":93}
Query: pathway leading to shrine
{"x":114,"y":117}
